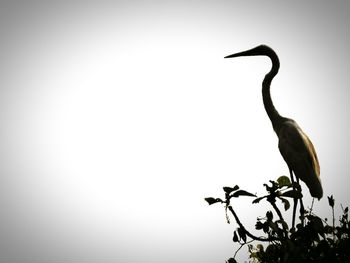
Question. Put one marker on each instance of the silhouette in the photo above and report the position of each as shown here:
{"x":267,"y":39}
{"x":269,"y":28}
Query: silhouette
{"x":295,"y":146}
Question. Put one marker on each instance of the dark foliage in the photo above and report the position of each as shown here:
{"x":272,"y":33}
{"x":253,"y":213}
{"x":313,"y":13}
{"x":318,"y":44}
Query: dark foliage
{"x":312,"y":240}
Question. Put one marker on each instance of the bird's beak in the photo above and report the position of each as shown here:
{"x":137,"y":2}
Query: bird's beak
{"x":240,"y":54}
{"x":250,"y":52}
{"x":259,"y":50}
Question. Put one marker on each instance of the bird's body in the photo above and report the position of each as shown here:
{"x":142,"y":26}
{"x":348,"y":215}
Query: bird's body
{"x":296,"y":148}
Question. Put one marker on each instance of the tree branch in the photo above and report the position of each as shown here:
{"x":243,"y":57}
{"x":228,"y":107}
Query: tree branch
{"x":246,"y":231}
{"x":277,"y":210}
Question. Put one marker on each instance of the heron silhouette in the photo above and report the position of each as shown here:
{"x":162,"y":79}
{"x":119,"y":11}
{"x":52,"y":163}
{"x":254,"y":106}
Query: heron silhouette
{"x":295,"y":146}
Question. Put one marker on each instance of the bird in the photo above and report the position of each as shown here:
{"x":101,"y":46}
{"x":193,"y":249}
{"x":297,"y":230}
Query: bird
{"x":294,"y":145}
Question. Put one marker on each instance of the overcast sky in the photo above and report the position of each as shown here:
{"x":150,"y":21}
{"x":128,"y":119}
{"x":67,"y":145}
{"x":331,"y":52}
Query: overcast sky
{"x":117,"y":119}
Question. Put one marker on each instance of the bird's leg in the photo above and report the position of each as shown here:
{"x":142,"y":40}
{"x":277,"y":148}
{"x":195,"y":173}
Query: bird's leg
{"x":312,"y":204}
{"x":295,"y":200}
{"x":301,"y":203}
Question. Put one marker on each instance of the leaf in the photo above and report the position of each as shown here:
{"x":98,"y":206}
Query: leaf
{"x":259,"y":225}
{"x":231,"y":260}
{"x":328,"y":230}
{"x":230,"y":189}
{"x":271,"y":251}
{"x":235,"y":237}
{"x":257,"y":200}
{"x":260,"y":247}
{"x":285,"y":203}
{"x":331,"y":201}
{"x":242,"y":234}
{"x":254,"y":255}
{"x":283,"y":181}
{"x":212,"y":200}
{"x":242,"y":192}
{"x":317,"y":224}
{"x":266,"y":227}
{"x":273,"y":226}
{"x":283,"y":223}
{"x":269,"y":216}
{"x":292,"y":194}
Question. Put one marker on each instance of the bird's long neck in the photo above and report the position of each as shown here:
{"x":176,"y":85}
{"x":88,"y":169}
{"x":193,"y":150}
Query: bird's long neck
{"x":271,"y":111}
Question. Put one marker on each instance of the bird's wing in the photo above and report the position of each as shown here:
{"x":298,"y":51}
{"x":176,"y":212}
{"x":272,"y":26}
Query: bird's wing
{"x":292,"y":143}
{"x":300,"y":155}
{"x":312,"y":152}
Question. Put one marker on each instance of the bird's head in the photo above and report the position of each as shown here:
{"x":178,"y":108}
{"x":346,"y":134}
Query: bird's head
{"x":261,"y":50}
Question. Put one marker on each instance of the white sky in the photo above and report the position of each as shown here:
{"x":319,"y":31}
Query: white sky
{"x":118,"y":119}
